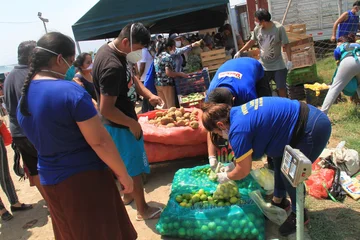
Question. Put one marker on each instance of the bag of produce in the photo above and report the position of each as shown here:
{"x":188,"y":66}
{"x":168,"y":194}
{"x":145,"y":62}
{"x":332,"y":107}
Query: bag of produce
{"x":157,"y":152}
{"x":265,"y":178}
{"x":193,"y":212}
{"x":174,"y":126}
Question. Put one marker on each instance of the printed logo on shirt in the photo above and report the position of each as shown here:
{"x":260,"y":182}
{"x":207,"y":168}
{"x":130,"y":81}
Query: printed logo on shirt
{"x":230,"y":74}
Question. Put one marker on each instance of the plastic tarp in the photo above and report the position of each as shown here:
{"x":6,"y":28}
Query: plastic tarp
{"x":106,"y":18}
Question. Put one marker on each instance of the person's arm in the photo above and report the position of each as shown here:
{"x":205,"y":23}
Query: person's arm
{"x":170,"y":73}
{"x":112,"y":81}
{"x":242,"y":169}
{"x":248,"y":45}
{"x":147,"y":94}
{"x":341,"y":19}
{"x":142,"y":68}
{"x":211,"y":146}
{"x":101,"y":142}
{"x":77,"y":80}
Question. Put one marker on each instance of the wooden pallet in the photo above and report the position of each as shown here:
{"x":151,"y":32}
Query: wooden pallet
{"x":213,"y":59}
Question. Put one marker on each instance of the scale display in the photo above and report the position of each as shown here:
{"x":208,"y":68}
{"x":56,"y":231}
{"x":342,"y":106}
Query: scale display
{"x":295,"y":166}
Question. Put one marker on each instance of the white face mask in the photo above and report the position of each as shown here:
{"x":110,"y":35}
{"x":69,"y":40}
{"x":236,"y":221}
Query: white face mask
{"x":225,"y":134}
{"x":133,"y":56}
{"x":57,"y":54}
{"x":257,"y":24}
{"x":178,"y":44}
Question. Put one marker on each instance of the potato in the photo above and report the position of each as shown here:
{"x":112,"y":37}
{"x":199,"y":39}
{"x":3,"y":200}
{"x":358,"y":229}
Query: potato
{"x":172,"y":109}
{"x":172,"y":115}
{"x":181,"y":123}
{"x":194,"y":125}
{"x":182,"y":110}
{"x":178,"y":119}
{"x":195,"y":113}
{"x":166,"y":120}
{"x":159,"y":114}
{"x":187,"y":115}
{"x":170,"y":125}
{"x":178,"y":113}
{"x":152,"y":121}
{"x":193,"y":118}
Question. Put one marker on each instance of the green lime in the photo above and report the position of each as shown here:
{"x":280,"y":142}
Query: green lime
{"x":246,"y":231}
{"x":166,"y":219}
{"x":203,"y":197}
{"x":182,"y":232}
{"x":187,"y":224}
{"x":190,"y":232}
{"x":183,"y":204}
{"x":201,"y":191}
{"x":197,"y":232}
{"x":170,"y":226}
{"x":227,"y":204}
{"x":188,"y":205}
{"x":204,"y":229}
{"x":176,"y":225}
{"x":243,"y":222}
{"x":235,"y":223}
{"x":233,"y":200}
{"x":179,"y":198}
{"x":211,"y":234}
{"x":251,"y":217}
{"x":237,"y":232}
{"x":254,"y":232}
{"x":210,"y":199}
{"x":230,"y":230}
{"x":164,"y":226}
{"x":212,"y":225}
{"x":219,"y":229}
{"x":221,"y":204}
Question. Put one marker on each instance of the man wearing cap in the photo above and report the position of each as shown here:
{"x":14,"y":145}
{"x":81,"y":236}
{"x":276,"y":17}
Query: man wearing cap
{"x":236,"y":82}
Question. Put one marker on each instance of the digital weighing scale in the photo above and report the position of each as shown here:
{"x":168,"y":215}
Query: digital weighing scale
{"x":297,"y":168}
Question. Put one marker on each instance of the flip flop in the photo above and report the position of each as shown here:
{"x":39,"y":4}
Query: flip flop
{"x":152,"y":216}
{"x":6,"y":216}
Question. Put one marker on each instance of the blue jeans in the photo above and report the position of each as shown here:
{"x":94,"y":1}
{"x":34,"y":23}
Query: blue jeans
{"x":317,"y":134}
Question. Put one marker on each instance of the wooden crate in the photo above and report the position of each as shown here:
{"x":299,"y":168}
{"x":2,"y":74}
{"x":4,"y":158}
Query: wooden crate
{"x":302,"y":55}
{"x":296,"y":28}
{"x":299,"y":39}
{"x":213,"y":59}
{"x":196,"y":104}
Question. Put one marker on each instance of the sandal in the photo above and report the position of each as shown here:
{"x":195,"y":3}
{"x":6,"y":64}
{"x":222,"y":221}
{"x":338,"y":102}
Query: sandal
{"x":155,"y":215}
{"x":23,"y":207}
{"x":6,"y":216}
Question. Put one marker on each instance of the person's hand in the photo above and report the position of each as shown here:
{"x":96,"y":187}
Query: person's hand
{"x":135,"y":129}
{"x":127,"y":184}
{"x":222,"y":177}
{"x":78,"y":82}
{"x":237,"y":55}
{"x":333,"y":38}
{"x":289,"y":66}
{"x":213,"y":162}
{"x":228,"y":168}
{"x":197,"y":43}
{"x":156,"y":101}
{"x":184,"y":75}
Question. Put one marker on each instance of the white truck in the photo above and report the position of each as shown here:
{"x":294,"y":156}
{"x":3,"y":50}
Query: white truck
{"x":318,"y":15}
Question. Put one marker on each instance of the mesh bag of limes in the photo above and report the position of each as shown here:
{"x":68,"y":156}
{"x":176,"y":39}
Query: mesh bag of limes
{"x":200,"y":208}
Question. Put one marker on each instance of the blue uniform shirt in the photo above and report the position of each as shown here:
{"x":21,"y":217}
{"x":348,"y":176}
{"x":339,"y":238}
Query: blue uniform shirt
{"x":240,"y":77}
{"x":55,"y":107}
{"x":262,"y":126}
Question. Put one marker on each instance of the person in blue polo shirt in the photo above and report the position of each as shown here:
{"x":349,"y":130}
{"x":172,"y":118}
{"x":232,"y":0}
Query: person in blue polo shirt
{"x":265,"y":126}
{"x":236,"y":82}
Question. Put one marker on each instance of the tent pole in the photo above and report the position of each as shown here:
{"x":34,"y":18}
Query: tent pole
{"x":286,"y":12}
{"x":78,"y":47}
{"x":232,"y":27}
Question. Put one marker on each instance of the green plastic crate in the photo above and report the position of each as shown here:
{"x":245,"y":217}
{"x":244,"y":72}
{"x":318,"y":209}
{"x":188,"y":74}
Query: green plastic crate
{"x":302,"y":76}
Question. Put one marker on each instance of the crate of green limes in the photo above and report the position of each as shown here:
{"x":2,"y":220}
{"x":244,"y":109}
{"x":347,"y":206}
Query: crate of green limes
{"x":200,"y":208}
{"x":302,"y":75}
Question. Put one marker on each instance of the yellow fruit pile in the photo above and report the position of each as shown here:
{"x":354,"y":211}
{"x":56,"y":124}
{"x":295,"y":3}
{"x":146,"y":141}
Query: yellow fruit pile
{"x":176,"y":118}
{"x":317,"y":87}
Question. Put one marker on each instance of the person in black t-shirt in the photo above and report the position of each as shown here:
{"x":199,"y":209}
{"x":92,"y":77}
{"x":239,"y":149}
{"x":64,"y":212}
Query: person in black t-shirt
{"x":117,"y":88}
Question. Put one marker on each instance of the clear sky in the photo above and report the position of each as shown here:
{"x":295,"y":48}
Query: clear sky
{"x":62,"y":14}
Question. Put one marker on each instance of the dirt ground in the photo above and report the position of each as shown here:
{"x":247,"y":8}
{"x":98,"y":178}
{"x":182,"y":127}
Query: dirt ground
{"x":35,"y":224}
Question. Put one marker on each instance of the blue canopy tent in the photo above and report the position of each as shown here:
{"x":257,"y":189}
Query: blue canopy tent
{"x":108,"y":17}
